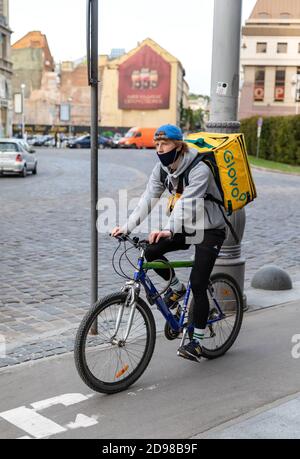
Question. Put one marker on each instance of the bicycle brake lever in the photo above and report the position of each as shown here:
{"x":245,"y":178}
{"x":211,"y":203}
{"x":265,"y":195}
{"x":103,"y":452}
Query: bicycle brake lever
{"x":120,"y":237}
{"x":144,"y":241}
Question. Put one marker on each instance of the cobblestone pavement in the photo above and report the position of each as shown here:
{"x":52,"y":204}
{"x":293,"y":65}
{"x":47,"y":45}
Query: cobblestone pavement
{"x":45,"y":240}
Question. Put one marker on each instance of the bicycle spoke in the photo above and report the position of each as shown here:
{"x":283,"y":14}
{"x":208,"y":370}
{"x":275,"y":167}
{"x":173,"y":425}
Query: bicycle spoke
{"x":222,"y":328}
{"x":109,"y":362}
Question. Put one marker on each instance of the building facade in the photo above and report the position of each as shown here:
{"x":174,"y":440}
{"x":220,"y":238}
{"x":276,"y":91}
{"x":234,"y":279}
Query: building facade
{"x":270,"y":59}
{"x":6,"y":104}
{"x":34,"y":70}
{"x":144,"y":87}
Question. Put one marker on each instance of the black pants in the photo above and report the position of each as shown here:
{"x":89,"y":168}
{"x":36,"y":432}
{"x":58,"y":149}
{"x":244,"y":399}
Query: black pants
{"x":206,"y":254}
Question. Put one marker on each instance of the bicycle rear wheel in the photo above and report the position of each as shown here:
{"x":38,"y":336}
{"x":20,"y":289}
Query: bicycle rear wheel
{"x":220,"y":335}
{"x":105,"y":362}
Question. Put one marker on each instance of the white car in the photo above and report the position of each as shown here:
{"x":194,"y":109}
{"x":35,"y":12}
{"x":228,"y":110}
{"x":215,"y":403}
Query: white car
{"x":16,"y":156}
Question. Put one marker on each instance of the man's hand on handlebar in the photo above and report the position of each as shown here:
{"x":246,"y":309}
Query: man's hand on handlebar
{"x":116,"y":231}
{"x":155,"y":236}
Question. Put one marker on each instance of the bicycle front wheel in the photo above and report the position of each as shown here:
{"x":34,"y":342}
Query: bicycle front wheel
{"x":105,"y":361}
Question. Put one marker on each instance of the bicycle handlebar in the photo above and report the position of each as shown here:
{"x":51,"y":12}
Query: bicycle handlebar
{"x":135,"y":241}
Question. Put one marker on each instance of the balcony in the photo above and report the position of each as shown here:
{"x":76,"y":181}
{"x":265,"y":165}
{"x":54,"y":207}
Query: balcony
{"x":6,"y":66}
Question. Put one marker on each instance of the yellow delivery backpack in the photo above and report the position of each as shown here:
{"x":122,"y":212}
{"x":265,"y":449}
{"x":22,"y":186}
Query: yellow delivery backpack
{"x":226,"y":156}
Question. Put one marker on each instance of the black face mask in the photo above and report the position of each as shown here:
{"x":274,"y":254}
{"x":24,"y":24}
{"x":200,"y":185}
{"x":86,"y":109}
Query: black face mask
{"x":168,"y":158}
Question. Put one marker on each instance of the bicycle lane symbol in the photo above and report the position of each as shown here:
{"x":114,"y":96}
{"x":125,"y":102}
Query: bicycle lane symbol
{"x":38,"y":426}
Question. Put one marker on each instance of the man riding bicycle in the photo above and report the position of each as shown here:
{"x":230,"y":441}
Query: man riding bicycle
{"x":175,"y":158}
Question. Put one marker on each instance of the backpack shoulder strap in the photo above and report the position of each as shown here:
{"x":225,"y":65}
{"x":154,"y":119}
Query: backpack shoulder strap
{"x":200,"y":157}
{"x":208,"y":196}
{"x":163,"y":175}
{"x":183,"y":179}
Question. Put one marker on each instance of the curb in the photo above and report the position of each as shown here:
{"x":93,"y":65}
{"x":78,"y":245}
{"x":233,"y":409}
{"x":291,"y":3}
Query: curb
{"x":266,"y":415}
{"x":277,"y":171}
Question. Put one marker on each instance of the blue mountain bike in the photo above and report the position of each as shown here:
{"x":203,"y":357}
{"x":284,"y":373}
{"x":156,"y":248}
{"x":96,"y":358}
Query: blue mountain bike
{"x":116,"y":338}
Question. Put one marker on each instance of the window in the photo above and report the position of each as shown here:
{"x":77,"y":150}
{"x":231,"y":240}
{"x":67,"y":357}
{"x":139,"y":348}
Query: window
{"x":282,"y":47}
{"x":279,"y":84}
{"x":261,"y":47}
{"x":259,"y":84}
{"x":285,"y":15}
{"x":3,"y":42}
{"x":264,"y":15}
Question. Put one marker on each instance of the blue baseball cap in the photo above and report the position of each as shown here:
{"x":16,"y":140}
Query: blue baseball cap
{"x":168,"y":131}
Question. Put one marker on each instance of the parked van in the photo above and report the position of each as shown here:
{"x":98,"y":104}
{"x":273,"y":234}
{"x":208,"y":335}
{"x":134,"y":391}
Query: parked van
{"x":138,"y":137}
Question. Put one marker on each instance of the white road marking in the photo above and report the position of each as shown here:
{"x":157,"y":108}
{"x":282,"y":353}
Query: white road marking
{"x":82,"y":421}
{"x":154,"y":386}
{"x":65,"y":399}
{"x":38,"y":426}
{"x":31,"y":422}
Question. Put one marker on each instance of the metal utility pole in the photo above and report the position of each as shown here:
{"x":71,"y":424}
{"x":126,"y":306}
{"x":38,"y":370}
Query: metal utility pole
{"x":297,"y":98}
{"x":224,"y":113}
{"x":92,"y":65}
{"x":23,"y":86}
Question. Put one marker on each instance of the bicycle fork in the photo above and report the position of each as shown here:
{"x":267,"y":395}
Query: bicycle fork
{"x":133,"y":289}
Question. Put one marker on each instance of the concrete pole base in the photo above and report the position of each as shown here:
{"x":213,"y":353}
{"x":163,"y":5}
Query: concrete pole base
{"x":234,"y":267}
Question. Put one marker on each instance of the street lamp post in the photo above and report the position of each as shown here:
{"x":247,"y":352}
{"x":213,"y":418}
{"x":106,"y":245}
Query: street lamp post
{"x":224,"y":112}
{"x":297,"y":98}
{"x":23,"y":86}
{"x":92,"y":65}
{"x":70,"y":119}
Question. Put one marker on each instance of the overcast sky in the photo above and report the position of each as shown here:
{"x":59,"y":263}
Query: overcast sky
{"x":182,"y":27}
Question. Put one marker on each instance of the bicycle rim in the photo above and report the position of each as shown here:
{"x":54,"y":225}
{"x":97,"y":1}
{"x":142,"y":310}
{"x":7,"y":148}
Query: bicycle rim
{"x":105,"y":362}
{"x":220,"y":335}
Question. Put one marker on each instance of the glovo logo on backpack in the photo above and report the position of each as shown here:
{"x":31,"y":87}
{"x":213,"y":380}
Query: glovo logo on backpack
{"x":227,"y":158}
{"x":233,"y":176}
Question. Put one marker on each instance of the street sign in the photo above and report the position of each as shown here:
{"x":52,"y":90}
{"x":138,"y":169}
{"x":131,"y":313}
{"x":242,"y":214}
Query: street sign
{"x":295,"y":87}
{"x":260,"y":122}
{"x":222,"y":88}
{"x":18,"y":103}
{"x":64,"y":112}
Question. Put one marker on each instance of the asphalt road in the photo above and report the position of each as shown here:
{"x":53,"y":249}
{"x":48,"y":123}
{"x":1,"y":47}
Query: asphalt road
{"x":45,"y":242}
{"x":44,"y":281}
{"x":173,"y":399}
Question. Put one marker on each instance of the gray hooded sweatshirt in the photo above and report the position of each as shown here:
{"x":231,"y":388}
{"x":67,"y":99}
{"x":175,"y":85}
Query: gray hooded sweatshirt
{"x":201,"y":181}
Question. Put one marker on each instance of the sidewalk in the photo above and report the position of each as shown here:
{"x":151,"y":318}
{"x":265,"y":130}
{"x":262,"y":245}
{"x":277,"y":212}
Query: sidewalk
{"x":259,"y":299}
{"x":37,"y":346}
{"x":277,"y":420}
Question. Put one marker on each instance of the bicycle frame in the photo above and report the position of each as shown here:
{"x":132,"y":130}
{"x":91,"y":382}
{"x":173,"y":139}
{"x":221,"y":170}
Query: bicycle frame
{"x":140,"y":277}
